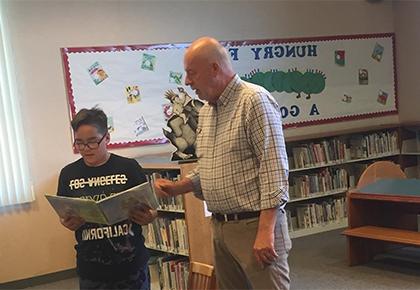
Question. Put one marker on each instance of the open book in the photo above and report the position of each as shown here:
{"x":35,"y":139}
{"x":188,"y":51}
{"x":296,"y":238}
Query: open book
{"x":110,"y":210}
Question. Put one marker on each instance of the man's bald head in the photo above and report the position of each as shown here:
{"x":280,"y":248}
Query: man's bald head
{"x":211,"y":50}
{"x":209,"y":69}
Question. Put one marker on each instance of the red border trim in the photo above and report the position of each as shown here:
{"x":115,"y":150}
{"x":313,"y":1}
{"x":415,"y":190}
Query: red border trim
{"x":69,"y":90}
{"x":137,"y":143}
{"x":124,"y":47}
{"x":67,"y":76}
{"x":306,"y":39}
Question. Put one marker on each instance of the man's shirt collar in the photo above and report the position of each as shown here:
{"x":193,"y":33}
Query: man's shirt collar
{"x":229,"y":91}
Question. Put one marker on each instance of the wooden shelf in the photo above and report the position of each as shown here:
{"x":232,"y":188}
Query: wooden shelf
{"x":385,"y":234}
{"x":317,"y":195}
{"x":158,"y":162}
{"x":341,"y":162}
{"x":160,"y":166}
{"x":167,"y":251}
{"x":171,"y":210}
{"x":330,"y":133}
{"x":411,"y":153}
{"x":409,"y":199}
{"x":318,"y":229}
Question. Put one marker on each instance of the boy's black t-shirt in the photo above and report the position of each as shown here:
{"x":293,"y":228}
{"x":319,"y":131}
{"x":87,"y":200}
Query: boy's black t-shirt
{"x":105,"y":252}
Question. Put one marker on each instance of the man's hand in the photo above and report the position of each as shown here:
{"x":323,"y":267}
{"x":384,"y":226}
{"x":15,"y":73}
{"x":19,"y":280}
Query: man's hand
{"x":164,"y":187}
{"x":142,"y":215}
{"x":264,"y":250}
{"x":72,"y":222}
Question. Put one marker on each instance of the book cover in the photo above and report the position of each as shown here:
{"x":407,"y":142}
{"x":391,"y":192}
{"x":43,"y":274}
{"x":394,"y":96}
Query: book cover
{"x":110,"y":210}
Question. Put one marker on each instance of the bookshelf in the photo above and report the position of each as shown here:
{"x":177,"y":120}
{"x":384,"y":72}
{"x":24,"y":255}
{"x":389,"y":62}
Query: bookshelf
{"x":324,"y":167}
{"x":167,"y":236}
{"x":410,"y":149}
{"x":170,"y":264}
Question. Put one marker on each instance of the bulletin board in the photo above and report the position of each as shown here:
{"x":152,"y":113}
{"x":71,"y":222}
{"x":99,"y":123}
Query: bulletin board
{"x":315,"y":80}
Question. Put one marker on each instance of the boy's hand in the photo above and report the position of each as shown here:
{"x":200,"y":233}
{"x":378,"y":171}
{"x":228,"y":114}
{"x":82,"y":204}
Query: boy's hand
{"x":142,"y":215}
{"x":72,"y":222}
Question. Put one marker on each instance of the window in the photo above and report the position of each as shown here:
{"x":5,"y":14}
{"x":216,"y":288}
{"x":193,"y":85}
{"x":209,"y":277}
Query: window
{"x":14,"y":172}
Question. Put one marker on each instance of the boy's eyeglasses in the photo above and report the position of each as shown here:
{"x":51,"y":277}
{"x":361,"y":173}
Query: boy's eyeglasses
{"x":90,"y":144}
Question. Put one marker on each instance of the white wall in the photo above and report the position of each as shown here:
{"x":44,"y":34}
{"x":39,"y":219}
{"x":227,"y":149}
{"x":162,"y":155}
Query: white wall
{"x":33,"y":242}
{"x":407,"y":31}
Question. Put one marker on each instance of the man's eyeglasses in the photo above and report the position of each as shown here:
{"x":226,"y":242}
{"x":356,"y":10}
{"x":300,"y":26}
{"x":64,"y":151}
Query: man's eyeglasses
{"x":90,"y":144}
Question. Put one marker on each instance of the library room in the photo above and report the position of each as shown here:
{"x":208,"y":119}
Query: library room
{"x":231,"y":144}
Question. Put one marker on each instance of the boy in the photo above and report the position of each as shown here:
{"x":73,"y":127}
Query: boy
{"x":108,"y":257}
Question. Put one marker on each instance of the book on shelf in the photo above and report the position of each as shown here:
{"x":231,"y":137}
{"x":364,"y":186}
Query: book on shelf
{"x":154,"y":272}
{"x":110,"y":210}
{"x":174,"y":272}
{"x":167,"y":234}
{"x":324,"y":180}
{"x":314,"y":214}
{"x":168,"y":203}
{"x":169,"y":272}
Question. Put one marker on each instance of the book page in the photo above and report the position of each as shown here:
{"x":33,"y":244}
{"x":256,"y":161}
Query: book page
{"x":85,"y":208}
{"x":117,"y":206}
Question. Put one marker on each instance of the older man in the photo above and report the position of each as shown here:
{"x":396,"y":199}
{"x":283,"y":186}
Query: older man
{"x":242,"y":172}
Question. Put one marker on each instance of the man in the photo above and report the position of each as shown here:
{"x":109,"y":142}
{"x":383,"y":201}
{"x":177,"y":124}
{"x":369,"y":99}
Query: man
{"x":242,"y":172}
{"x":108,"y":257}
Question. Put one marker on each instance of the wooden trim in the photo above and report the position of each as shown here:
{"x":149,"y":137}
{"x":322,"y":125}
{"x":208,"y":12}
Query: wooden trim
{"x":160,"y":166}
{"x":385,"y":234}
{"x":384,"y":197}
{"x":160,"y":161}
{"x":359,"y":130}
{"x":200,"y":238}
{"x":39,"y":280}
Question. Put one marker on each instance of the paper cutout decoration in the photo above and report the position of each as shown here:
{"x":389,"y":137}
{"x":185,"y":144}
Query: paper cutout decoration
{"x":378,"y":51}
{"x":175,"y":78}
{"x":133,"y":94}
{"x":346,"y":99}
{"x":293,"y":81}
{"x":363,"y":76}
{"x":110,"y":122}
{"x":141,"y":126}
{"x":382,"y":97}
{"x":148,"y":62}
{"x":340,"y":57}
{"x":183,"y":124}
{"x":97,"y":73}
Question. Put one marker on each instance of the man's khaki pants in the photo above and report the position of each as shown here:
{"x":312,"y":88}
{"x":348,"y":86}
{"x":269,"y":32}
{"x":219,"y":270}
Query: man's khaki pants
{"x":235,"y":263}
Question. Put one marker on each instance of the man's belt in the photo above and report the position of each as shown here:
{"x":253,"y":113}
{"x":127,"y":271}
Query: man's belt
{"x":236,"y":216}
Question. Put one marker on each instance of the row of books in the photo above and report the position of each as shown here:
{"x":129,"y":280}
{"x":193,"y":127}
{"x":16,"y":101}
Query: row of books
{"x":327,"y":179}
{"x":173,"y":203}
{"x":375,"y":144}
{"x":167,"y":234}
{"x":169,"y":272}
{"x":316,"y":214}
{"x":339,"y":149}
{"x":313,"y":154}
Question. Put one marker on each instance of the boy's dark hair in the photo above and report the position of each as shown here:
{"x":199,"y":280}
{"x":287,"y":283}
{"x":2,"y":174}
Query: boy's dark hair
{"x":94,"y":117}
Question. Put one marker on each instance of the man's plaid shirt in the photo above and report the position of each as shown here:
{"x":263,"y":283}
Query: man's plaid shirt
{"x":242,"y":160}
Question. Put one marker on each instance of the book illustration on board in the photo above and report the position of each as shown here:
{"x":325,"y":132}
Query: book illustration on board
{"x":110,"y":210}
{"x":183,"y":124}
